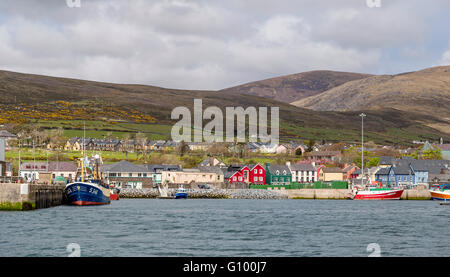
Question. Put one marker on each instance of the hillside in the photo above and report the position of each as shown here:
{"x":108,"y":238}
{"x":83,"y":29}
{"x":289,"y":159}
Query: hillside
{"x":424,"y":92}
{"x":294,"y":87}
{"x":51,"y":102}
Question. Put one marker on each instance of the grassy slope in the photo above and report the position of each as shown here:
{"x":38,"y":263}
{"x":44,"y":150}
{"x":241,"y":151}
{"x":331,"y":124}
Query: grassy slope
{"x":17,"y":88}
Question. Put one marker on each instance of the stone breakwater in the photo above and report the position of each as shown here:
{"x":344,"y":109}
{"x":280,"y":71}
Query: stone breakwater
{"x":207,"y":193}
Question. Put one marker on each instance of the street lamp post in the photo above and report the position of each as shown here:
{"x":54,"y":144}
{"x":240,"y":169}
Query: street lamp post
{"x":362,"y":115}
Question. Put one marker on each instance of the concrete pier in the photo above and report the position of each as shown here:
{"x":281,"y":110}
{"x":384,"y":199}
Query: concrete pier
{"x":22,"y":197}
{"x":412,"y":194}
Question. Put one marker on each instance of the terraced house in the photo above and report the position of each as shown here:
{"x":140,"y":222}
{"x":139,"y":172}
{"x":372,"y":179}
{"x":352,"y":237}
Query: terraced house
{"x":303,"y":173}
{"x":278,"y":174}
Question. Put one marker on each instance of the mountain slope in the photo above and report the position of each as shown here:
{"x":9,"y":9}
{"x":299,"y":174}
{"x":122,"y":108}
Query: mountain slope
{"x":294,"y":87}
{"x":30,"y":97}
{"x":426,"y":91}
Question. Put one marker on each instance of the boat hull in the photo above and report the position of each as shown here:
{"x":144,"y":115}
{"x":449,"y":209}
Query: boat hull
{"x":181,"y":195}
{"x":440,"y":195}
{"x":84,"y":194}
{"x":379,"y":195}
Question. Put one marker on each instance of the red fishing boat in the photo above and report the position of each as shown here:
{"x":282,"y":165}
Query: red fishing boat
{"x":379,"y":194}
{"x":114,"y":193}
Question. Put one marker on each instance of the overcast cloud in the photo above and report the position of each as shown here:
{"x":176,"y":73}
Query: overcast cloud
{"x":214,"y":44}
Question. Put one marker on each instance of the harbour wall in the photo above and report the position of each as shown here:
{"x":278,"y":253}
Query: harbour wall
{"x":412,"y":194}
{"x":207,"y":193}
{"x":23,"y":197}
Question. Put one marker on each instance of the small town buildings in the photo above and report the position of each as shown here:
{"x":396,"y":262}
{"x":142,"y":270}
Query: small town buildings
{"x":348,"y":171}
{"x":278,"y":174}
{"x":411,"y":172}
{"x":327,"y":174}
{"x":67,"y":170}
{"x":257,"y":174}
{"x":324,"y":156}
{"x":155,"y":171}
{"x":445,"y":150}
{"x":250,"y":174}
{"x":303,"y":172}
{"x":212,"y":161}
{"x":236,"y":174}
{"x":6,"y":136}
{"x":6,"y":169}
{"x":290,"y":148}
{"x":204,"y":175}
{"x":124,"y":174}
{"x":29,"y":171}
{"x":268,"y":148}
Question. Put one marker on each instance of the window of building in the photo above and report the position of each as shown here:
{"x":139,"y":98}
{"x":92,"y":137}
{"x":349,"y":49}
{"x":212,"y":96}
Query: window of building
{"x":255,"y":179}
{"x":234,"y":178}
{"x":260,"y":171}
{"x":260,"y":178}
{"x":256,"y":171}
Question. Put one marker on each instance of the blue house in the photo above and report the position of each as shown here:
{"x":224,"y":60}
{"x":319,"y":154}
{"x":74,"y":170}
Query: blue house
{"x":410,"y":172}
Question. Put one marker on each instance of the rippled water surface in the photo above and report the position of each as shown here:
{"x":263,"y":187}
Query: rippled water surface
{"x":156,"y":227}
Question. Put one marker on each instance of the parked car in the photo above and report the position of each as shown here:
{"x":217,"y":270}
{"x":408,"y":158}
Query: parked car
{"x":203,"y":186}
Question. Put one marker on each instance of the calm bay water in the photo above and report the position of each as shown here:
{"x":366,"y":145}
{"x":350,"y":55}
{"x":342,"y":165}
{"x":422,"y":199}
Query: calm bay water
{"x":156,"y":227}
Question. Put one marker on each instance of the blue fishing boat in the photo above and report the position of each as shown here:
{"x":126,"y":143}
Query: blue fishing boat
{"x":181,"y":193}
{"x":87,"y":193}
{"x":91,"y":191}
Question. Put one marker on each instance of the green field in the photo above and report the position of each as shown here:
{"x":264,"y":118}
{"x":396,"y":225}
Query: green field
{"x":99,"y":129}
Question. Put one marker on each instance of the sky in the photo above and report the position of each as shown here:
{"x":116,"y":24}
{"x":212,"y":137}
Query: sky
{"x":215,"y":44}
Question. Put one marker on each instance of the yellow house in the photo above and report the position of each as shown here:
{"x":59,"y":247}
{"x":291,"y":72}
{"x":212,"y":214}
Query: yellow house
{"x":327,"y":174}
{"x":208,"y":175}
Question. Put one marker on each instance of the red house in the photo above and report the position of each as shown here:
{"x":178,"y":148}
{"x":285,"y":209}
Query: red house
{"x":253,"y":174}
{"x":257,"y":174}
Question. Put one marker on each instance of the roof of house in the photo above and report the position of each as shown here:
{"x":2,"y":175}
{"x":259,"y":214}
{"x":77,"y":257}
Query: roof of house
{"x":324,"y":153}
{"x":431,"y":166}
{"x":124,"y":166}
{"x":332,"y":170}
{"x":6,"y":134}
{"x":302,"y":167}
{"x":228,"y":172}
{"x":62,"y":166}
{"x":274,"y":168}
{"x":402,"y":167}
{"x":387,"y":160}
{"x":383,"y":171}
{"x":33,"y":166}
{"x":156,"y":168}
{"x":211,"y":169}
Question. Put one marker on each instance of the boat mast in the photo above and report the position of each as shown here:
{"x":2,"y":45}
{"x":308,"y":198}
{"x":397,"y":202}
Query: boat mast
{"x":82,"y":155}
{"x":362,"y":115}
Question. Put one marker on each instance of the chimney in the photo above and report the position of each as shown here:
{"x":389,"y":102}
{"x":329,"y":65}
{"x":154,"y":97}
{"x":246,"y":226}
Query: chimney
{"x":211,"y":161}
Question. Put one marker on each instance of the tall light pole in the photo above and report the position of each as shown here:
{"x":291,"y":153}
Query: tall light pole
{"x":362,"y":115}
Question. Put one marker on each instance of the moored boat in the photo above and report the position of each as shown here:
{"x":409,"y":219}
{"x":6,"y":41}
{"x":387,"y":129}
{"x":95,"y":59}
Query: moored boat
{"x":114,"y":194}
{"x":89,"y":188}
{"x":87,"y":193}
{"x":181,"y":193}
{"x":442,"y":194}
{"x":379,"y":194}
